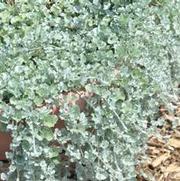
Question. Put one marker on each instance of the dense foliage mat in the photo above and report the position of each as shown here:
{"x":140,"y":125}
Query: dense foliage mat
{"x":123,"y":54}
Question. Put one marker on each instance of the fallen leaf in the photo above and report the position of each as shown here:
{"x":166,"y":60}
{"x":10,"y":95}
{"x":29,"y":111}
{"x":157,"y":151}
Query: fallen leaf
{"x":162,"y":109}
{"x":153,"y":151}
{"x":172,"y":168}
{"x":177,"y":134}
{"x":176,"y":176}
{"x":178,"y":111}
{"x":160,"y":159}
{"x":155,"y":142}
{"x":174,"y":142}
{"x":161,"y":178}
{"x":169,"y":117}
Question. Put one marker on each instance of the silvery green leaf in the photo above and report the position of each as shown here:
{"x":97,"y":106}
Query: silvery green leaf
{"x":50,"y":120}
{"x":101,"y":174}
{"x":3,"y":176}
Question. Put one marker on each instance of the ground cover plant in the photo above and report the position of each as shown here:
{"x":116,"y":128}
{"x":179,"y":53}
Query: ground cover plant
{"x":120,"y":57}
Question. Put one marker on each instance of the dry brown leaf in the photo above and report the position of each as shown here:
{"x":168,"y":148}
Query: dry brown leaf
{"x":161,"y":178}
{"x":173,"y":168}
{"x":153,"y":151}
{"x":167,"y":162}
{"x":178,"y":111}
{"x":153,"y":141}
{"x":177,"y":134}
{"x":169,"y":117}
{"x":160,"y":159}
{"x":176,"y":176}
{"x":174,"y":142}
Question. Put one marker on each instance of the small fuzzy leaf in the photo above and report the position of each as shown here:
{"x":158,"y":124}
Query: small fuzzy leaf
{"x":50,"y":120}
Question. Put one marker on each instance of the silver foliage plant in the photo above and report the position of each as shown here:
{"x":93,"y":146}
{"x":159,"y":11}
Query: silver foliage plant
{"x":125,"y":53}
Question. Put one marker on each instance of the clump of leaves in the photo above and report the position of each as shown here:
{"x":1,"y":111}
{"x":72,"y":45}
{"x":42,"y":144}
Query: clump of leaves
{"x":124,"y":54}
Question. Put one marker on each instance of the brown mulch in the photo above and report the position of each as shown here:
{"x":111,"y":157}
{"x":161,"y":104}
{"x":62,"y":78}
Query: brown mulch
{"x":161,"y":161}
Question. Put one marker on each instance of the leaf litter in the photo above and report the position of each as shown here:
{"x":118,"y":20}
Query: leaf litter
{"x":161,"y":161}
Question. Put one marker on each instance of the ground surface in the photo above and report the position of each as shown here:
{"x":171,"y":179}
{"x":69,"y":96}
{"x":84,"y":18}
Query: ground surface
{"x":163,"y":151}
